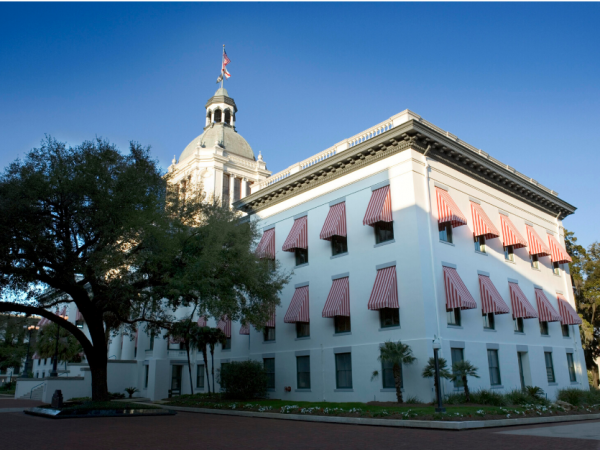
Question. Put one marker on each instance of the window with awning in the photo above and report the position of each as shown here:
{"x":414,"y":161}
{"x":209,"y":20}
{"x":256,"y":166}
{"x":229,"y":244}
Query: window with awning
{"x":491,"y":300}
{"x":225,"y":326}
{"x":510,"y":234}
{"x":457,"y":294}
{"x":520,"y":305}
{"x":448,"y":211}
{"x":338,"y":300}
{"x":298,"y":237}
{"x":558,"y":253}
{"x":545,"y":310}
{"x":266,"y":246}
{"x":245,"y":329}
{"x":482,"y":224}
{"x":335,"y":223}
{"x":380,"y":207}
{"x":202,"y":321}
{"x":298,"y":310}
{"x":536,"y":244}
{"x":385,"y":290}
{"x":568,"y":315}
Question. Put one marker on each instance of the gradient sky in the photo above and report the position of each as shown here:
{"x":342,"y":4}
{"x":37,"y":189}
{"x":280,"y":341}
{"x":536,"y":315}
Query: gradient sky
{"x":520,"y":81}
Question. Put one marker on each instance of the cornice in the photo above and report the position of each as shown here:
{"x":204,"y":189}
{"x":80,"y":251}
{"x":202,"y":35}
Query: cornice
{"x":419,"y":137}
{"x":221,"y":99}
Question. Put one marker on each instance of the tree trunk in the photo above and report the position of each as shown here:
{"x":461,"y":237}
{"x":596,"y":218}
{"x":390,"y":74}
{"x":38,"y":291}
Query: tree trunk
{"x":99,"y":369}
{"x":187,"y":349}
{"x":205,"y":357}
{"x":467,"y":393}
{"x":397,"y":382}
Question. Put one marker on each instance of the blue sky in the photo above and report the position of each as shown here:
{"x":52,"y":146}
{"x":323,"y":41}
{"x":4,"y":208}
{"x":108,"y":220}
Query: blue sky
{"x":520,"y":81}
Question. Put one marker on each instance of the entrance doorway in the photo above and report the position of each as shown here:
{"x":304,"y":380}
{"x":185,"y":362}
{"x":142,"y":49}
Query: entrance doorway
{"x":176,"y":372}
{"x":521,"y":357}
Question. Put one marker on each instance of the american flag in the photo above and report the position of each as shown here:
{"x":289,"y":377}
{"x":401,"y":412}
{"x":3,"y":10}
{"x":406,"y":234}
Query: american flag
{"x":226,"y":61}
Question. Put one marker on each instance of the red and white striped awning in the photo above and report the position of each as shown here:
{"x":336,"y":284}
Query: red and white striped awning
{"x":298,"y":237}
{"x":559,"y":254}
{"x":245,"y":329}
{"x":43,"y":321}
{"x":457,"y":294}
{"x":520,"y":305}
{"x":266,"y":246}
{"x":482,"y":224}
{"x":510,"y":234}
{"x":545,"y":309}
{"x":202,"y":321}
{"x":385,"y":290}
{"x":536,"y":245}
{"x":338,"y":300}
{"x":174,"y":340}
{"x":225,"y":326}
{"x":335,"y":223}
{"x":380,"y":207}
{"x":567,"y":313}
{"x":298,"y":310}
{"x":448,"y":211}
{"x":271,"y":321}
{"x":491,"y":300}
{"x":35,"y":356}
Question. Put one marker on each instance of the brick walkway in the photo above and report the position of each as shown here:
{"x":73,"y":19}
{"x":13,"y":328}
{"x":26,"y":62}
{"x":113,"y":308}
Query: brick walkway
{"x":187,"y":430}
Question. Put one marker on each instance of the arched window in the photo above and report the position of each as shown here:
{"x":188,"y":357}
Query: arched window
{"x":228,"y":117}
{"x":209,"y":116}
{"x":217,"y":115}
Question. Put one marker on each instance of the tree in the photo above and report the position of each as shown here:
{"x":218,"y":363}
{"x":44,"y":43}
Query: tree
{"x":429,"y":370}
{"x":13,"y":347}
{"x":183,"y":331}
{"x":214,"y":336}
{"x":461,"y":370}
{"x":108,"y":232}
{"x":397,"y":354}
{"x":69,"y":349}
{"x":200,"y":337}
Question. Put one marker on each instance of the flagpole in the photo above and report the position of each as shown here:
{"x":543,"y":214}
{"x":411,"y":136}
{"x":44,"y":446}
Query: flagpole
{"x":222,"y":61}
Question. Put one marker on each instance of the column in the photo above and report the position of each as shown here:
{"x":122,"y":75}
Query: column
{"x":114,"y":348}
{"x":244,"y":187}
{"x":128,"y":352}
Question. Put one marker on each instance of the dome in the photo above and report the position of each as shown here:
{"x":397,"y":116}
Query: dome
{"x":233,"y":142}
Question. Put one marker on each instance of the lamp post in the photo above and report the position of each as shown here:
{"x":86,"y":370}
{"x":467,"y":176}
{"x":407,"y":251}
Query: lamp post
{"x":54,"y":372}
{"x":438,"y":388}
{"x":29,"y":330}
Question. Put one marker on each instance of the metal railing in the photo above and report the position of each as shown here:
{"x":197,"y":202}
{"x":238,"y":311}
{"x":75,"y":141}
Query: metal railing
{"x":35,"y":387}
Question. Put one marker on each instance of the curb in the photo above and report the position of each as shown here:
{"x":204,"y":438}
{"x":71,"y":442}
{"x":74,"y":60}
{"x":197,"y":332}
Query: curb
{"x":430,"y":424}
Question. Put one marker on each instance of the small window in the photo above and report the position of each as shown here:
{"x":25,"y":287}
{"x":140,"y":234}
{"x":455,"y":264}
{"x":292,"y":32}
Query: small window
{"x":227,"y":117}
{"x":457,"y":355}
{"x":79,"y":323}
{"x":453,"y":317}
{"x":269,"y":334}
{"x":303,"y":372}
{"x":301,"y":256}
{"x":343,"y":371}
{"x":302,"y":329}
{"x":544,"y":328}
{"x":494,"y":366}
{"x":389,"y":317}
{"x":43,"y":374}
{"x":565,"y":330}
{"x":556,"y":268}
{"x":339,"y":245}
{"x":384,"y":231}
{"x":237,"y":189}
{"x":571,"y":364}
{"x":176,"y":371}
{"x":535,"y":263}
{"x":217,"y":115}
{"x":200,"y":376}
{"x":225,"y":194}
{"x":269,"y":365}
{"x":227,"y":344}
{"x":519,"y":325}
{"x":479,"y":244}
{"x":509,"y":253}
{"x":146,"y":376}
{"x":342,"y":324}
{"x":446,"y":232}
{"x":151,"y":343}
{"x":387,"y":372}
{"x":489,"y":321}
{"x":549,"y":367}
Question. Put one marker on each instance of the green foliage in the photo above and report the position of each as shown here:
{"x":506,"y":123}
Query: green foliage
{"x":131,"y":390}
{"x":455,"y":398}
{"x":414,"y":400}
{"x":116,"y":395}
{"x":534,"y":392}
{"x":488,"y":397}
{"x":579,"y":397}
{"x":462,"y":369}
{"x":244,"y":380}
{"x":13,"y":347}
{"x":397,"y":354}
{"x":531,"y":395}
{"x":429,"y":369}
{"x":69,"y":348}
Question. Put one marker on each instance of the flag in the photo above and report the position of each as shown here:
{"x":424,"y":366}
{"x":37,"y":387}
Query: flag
{"x":220,"y":78}
{"x":226,"y":60}
{"x":227,"y":74}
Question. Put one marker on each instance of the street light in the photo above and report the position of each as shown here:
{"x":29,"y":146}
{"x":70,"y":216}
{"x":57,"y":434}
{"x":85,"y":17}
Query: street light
{"x":54,"y":372}
{"x":29,"y":330}
{"x":438,"y":388}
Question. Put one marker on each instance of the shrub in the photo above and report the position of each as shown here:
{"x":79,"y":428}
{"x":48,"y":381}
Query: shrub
{"x":455,"y":399}
{"x":131,"y":390}
{"x":488,"y":397}
{"x":116,"y":395}
{"x":243,"y":380}
{"x":413,"y":400}
{"x":576,"y":396}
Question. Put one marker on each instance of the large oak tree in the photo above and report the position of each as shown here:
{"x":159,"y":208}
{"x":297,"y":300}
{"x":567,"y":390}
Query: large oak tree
{"x":104,"y":230}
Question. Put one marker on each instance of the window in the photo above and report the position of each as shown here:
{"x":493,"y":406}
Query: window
{"x":225,"y":196}
{"x":387,"y":372}
{"x":519,"y":325}
{"x":303,"y":371}
{"x":237,"y":189}
{"x":176,"y":371}
{"x":479,"y":244}
{"x":342,"y":324}
{"x":200,"y":376}
{"x":301,"y":256}
{"x":549,"y":367}
{"x":384,"y":231}
{"x":217,"y":115}
{"x":389,"y":317}
{"x":535,"y":263}
{"x":489,"y":322}
{"x":556,"y":268}
{"x":494,"y":367}
{"x":571,"y":365}
{"x":446,"y":232}
{"x":43,"y":374}
{"x":339,"y":245}
{"x":302,"y":329}
{"x":453,"y":317}
{"x":269,"y":334}
{"x":175,"y":346}
{"x":509,"y":253}
{"x":457,"y":355}
{"x":565,"y":330}
{"x":146,"y":374}
{"x":544,"y":328}
{"x":79,"y":323}
{"x":227,"y":344}
{"x":269,"y":365}
{"x":151,"y":345}
{"x":343,"y":370}
{"x":227,"y":117}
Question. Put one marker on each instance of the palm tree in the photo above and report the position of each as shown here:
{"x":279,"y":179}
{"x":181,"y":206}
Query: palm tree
{"x":199,"y":338}
{"x":397,"y":354}
{"x":461,"y":370}
{"x":69,"y":348}
{"x":214,"y":336}
{"x":182,"y":331}
{"x":429,"y":370}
